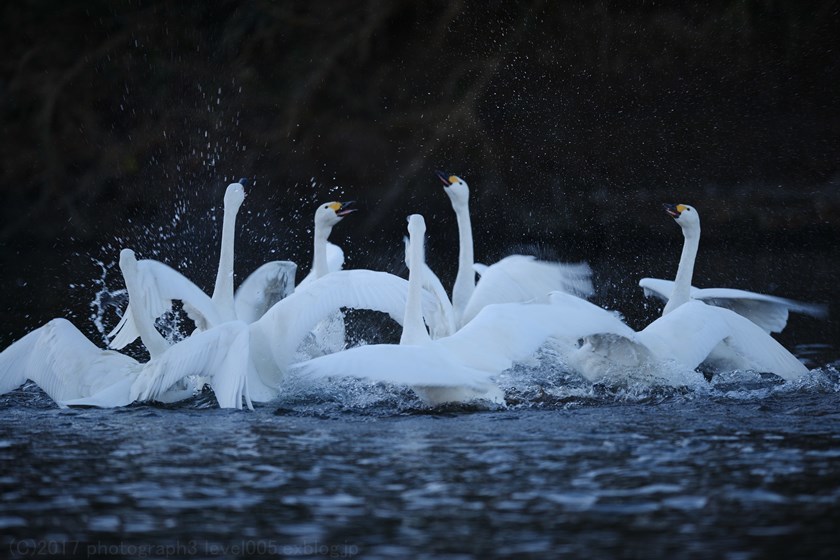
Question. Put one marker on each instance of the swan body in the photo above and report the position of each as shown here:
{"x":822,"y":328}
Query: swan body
{"x":455,"y":368}
{"x":671,"y":347}
{"x":517,"y":278}
{"x":768,"y":312}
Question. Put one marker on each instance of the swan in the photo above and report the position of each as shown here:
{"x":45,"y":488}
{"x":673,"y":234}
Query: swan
{"x":670,"y":348}
{"x":768,"y":312}
{"x":454,"y":368}
{"x":516,"y":278}
{"x":327,"y":257}
{"x":73,"y":371}
{"x":329,"y":335}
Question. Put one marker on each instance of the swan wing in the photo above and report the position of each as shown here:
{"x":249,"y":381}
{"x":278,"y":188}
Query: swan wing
{"x":263,"y":288}
{"x":686,"y":335}
{"x":335,"y":257}
{"x":442,"y":320}
{"x":219,"y":354}
{"x":64,"y":363}
{"x":289,"y":321}
{"x":502,"y":334}
{"x":754,"y":349}
{"x":405,"y":364}
{"x":159,"y":284}
{"x":658,"y":288}
{"x":521,"y":278}
{"x":768,"y":312}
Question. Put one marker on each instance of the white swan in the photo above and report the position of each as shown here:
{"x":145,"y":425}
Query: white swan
{"x":329,"y":335}
{"x":516,"y":278}
{"x":670,"y":348}
{"x":455,"y":368}
{"x":74,"y":371}
{"x":768,"y":312}
{"x":326,"y":257}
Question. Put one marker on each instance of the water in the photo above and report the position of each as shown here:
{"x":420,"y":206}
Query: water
{"x":748,"y":467}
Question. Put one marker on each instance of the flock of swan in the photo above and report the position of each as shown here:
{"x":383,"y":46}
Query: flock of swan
{"x":451,"y":350}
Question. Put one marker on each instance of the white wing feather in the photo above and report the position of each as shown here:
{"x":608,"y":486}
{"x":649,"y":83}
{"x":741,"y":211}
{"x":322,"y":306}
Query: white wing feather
{"x":394,"y":363}
{"x":64,"y":363}
{"x":521,"y":278}
{"x":220,"y":354}
{"x":283,"y":327}
{"x":263,"y":288}
{"x":768,"y":312}
{"x":160,"y":284}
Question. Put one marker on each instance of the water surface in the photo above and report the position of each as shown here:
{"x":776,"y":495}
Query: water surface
{"x":747,"y":468}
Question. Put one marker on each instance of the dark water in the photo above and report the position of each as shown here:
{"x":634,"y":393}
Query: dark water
{"x":748,"y":467}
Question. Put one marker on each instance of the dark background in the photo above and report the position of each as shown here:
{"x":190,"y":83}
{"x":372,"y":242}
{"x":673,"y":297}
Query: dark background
{"x":122,"y":123}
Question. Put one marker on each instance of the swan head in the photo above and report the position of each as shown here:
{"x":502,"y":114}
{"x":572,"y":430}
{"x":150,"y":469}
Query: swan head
{"x":686,"y":216}
{"x":416,"y":226}
{"x":235,"y":195}
{"x":331,"y":213}
{"x":455,"y":187}
{"x":128,"y":260}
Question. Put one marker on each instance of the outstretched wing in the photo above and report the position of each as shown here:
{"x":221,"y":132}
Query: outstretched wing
{"x":757,"y":350}
{"x":159,"y":284}
{"x":521,"y":278}
{"x":64,"y":363}
{"x":768,"y":312}
{"x":395,"y":363}
{"x":263,"y":288}
{"x":287,"y":323}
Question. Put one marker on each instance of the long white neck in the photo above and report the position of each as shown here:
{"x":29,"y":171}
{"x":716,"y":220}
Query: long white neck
{"x":414,"y":329}
{"x":319,"y":251}
{"x":151,"y":338}
{"x":464,"y":285}
{"x":682,"y":283}
{"x":223,"y":291}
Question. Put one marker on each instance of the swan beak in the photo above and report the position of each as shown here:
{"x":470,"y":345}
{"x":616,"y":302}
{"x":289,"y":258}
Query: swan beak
{"x":243,"y":181}
{"x":345,"y":209}
{"x":674,"y":210}
{"x":444,"y":178}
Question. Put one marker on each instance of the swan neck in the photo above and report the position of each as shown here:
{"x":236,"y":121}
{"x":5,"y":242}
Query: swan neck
{"x":319,"y":251}
{"x":223,"y":290}
{"x":685,"y":271}
{"x":414,"y":329}
{"x":464,"y":285}
{"x":149,"y":336}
